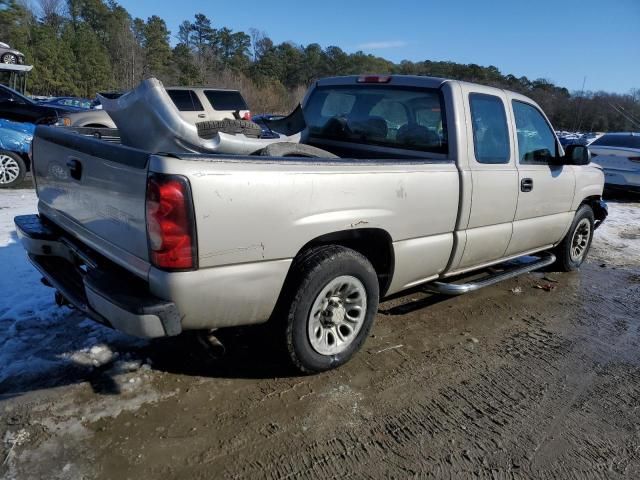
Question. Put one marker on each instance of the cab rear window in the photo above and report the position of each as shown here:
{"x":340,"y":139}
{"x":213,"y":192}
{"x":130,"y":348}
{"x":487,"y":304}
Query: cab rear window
{"x":396,"y":117}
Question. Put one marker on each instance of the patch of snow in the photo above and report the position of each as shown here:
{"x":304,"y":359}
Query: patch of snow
{"x":617,"y":241}
{"x":41,"y":343}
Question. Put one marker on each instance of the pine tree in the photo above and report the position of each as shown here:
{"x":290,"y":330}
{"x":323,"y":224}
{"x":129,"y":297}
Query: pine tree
{"x":157,"y":51}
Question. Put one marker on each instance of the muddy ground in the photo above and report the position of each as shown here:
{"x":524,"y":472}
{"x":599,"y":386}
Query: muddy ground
{"x":513,"y":381}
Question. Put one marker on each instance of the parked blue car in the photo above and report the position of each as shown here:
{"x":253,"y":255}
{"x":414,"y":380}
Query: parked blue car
{"x":15,"y":143}
{"x":73,"y":104}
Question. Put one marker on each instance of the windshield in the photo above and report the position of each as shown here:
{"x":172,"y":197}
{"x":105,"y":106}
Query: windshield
{"x":396,"y":117}
{"x":7,"y":93}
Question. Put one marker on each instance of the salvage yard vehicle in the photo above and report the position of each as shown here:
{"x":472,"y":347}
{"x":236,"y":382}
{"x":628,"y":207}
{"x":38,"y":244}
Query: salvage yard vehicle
{"x":208,"y":108}
{"x":10,"y":55}
{"x":15,"y":143}
{"x":147,"y":118}
{"x":19,"y":108}
{"x":424,"y":180}
{"x":73,"y":104}
{"x":619,"y":156}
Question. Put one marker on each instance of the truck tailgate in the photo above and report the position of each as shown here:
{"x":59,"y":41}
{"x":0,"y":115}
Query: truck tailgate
{"x":96,"y":191}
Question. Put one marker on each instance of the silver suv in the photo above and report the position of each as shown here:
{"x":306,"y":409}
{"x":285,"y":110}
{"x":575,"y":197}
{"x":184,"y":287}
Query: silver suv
{"x":195,"y":104}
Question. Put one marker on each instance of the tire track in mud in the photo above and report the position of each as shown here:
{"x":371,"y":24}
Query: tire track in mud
{"x":490,"y":424}
{"x":548,"y":389}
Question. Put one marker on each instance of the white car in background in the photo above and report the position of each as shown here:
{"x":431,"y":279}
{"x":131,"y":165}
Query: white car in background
{"x":619,"y":156}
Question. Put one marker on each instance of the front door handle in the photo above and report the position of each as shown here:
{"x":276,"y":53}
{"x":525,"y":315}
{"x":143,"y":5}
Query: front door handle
{"x":526,"y":185}
{"x":202,"y":115}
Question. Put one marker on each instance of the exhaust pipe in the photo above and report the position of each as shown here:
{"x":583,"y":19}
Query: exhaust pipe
{"x":214,"y":346}
{"x":61,"y":301}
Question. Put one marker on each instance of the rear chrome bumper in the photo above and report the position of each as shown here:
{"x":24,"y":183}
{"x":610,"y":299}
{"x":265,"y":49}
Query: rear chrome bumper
{"x":94,"y":285}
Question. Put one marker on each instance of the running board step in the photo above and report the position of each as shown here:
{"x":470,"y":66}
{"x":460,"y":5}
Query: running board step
{"x":444,"y":288}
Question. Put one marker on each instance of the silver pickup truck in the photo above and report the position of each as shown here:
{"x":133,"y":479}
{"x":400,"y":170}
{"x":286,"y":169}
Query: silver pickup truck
{"x":428,"y":179}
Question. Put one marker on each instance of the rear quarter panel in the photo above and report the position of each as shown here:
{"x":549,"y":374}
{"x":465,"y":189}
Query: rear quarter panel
{"x":262,"y":210}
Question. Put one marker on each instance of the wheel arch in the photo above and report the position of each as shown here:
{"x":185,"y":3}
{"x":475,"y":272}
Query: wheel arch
{"x":373,"y":243}
{"x":27,"y":160}
{"x":599,"y":208}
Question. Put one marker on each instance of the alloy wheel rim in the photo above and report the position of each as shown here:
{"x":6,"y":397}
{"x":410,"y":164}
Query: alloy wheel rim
{"x":580,"y":240}
{"x":9,"y":169}
{"x":337,"y":315}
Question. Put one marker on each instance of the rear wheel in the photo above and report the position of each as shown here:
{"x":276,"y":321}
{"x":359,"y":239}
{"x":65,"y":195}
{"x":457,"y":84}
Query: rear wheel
{"x":328,"y":306}
{"x":12,"y":169}
{"x":574,"y":248}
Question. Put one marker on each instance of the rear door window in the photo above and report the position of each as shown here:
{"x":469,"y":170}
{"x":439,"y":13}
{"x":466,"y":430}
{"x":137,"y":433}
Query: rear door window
{"x":185,"y":100}
{"x":222,"y":100}
{"x":490,"y":131}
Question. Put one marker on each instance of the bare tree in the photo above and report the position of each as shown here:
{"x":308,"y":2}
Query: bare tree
{"x":258,"y":38}
{"x":51,"y":11}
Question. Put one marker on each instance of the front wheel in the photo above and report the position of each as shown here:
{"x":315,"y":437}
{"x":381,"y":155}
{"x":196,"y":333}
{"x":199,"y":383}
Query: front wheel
{"x":12,"y":169}
{"x":574,"y":248}
{"x":9,"y":58}
{"x":329,"y":304}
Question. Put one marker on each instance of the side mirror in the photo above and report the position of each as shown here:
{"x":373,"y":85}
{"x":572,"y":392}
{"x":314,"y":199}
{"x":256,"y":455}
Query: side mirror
{"x":577,"y":155}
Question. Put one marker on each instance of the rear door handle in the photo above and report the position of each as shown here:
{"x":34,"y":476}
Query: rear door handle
{"x":201,"y":115}
{"x":526,"y":185}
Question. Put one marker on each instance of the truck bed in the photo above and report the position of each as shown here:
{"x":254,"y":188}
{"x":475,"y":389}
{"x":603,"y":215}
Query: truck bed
{"x":251,"y":213}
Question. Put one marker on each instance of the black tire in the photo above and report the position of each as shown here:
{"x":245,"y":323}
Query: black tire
{"x":6,"y":58}
{"x":288,"y":149}
{"x":210,"y":129}
{"x":565,"y":262}
{"x":15,"y":161}
{"x":310,"y":274}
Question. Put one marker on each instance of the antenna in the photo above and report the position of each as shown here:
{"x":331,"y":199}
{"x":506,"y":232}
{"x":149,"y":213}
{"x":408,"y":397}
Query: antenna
{"x":578,"y":123}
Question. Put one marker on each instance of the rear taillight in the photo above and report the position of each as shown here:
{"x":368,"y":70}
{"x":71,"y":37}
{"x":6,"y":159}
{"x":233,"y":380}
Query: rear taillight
{"x":634,"y":159}
{"x":171,"y":228}
{"x":247,"y":116}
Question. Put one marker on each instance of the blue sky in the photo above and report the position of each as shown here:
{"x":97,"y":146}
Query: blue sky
{"x":561,"y":40}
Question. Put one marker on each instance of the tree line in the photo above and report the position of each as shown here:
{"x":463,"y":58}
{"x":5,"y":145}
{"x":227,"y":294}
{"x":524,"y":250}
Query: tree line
{"x":81,"y":47}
